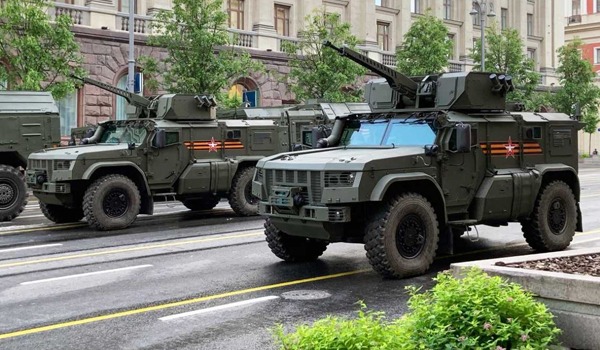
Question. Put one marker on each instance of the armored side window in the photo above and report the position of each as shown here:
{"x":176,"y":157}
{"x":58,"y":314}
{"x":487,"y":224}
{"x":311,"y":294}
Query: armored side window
{"x":534,"y":132}
{"x":172,"y":137}
{"x":234,"y":134}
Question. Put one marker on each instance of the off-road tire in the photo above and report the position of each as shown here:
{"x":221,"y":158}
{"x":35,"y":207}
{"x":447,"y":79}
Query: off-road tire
{"x":116,"y":193}
{"x":13,"y":193}
{"x":240,"y":195}
{"x":382,"y":236}
{"x":61,"y":214}
{"x":201,"y":203}
{"x":553,"y":221}
{"x":293,"y":248}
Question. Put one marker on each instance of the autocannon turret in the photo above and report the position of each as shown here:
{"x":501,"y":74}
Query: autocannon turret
{"x":467,"y":91}
{"x":177,"y":107}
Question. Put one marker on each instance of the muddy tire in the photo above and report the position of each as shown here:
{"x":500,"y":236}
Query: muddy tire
{"x":112,"y":202}
{"x":552,"y":224}
{"x":241,"y":199}
{"x":60,"y":214}
{"x":402,"y":238}
{"x":13,"y":193}
{"x":293,"y":248}
{"x":201,"y":203}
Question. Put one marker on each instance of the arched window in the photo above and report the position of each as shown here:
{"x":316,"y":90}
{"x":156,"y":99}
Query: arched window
{"x":247,"y":90}
{"x":67,"y":108}
{"x":120,"y":110}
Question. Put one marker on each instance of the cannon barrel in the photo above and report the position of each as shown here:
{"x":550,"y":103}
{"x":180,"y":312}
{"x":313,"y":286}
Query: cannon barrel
{"x":132,"y":99}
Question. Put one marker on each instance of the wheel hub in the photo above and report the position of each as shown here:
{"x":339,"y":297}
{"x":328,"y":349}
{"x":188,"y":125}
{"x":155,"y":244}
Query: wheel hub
{"x":410,"y":236}
{"x":7,"y":194}
{"x":116,"y":203}
{"x":557,"y":216}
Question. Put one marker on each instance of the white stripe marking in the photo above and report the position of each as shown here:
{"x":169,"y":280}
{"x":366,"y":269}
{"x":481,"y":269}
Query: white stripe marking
{"x":220,"y":307}
{"x":85,"y":274}
{"x":30,"y":247}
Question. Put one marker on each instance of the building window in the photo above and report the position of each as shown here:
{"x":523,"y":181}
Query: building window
{"x":451,"y":39}
{"x":529,"y":24}
{"x":383,"y":36}
{"x":235,"y":10}
{"x":124,"y":6}
{"x":477,"y":16}
{"x":447,"y":9}
{"x":596,"y":55}
{"x":531,"y":55}
{"x":282,"y":20}
{"x":575,"y":7}
{"x":503,"y":18}
{"x":67,"y":107}
{"x":249,"y":96}
{"x":415,"y":6}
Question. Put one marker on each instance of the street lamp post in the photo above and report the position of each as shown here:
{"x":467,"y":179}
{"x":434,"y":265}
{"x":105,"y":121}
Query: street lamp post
{"x":483,"y":11}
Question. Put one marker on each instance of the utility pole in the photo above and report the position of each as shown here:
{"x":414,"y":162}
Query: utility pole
{"x":482,"y":4}
{"x":131,"y":61}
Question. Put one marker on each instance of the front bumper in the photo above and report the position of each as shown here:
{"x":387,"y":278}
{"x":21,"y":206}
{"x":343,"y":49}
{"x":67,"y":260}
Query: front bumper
{"x":333,"y":214}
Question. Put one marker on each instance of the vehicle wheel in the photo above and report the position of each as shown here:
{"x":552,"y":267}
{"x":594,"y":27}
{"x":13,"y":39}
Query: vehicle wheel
{"x":552,"y":224}
{"x":61,"y":214}
{"x":201,"y":203}
{"x":402,"y":238}
{"x":241,"y":199}
{"x":112,"y":202}
{"x":13,"y":193}
{"x":293,"y":248}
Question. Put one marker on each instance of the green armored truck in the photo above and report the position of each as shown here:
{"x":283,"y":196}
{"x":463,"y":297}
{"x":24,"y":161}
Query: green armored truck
{"x":171,"y":147}
{"x":29,"y":121}
{"x":437,"y":155}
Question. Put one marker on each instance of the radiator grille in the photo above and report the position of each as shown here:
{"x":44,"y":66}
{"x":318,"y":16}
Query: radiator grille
{"x":310,"y":181}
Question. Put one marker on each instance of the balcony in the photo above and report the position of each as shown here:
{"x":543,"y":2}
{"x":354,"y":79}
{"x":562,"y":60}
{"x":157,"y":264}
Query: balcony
{"x":140,"y":23}
{"x":456,"y":66}
{"x":243,"y":38}
{"x":80,"y":15}
{"x":388,"y":60}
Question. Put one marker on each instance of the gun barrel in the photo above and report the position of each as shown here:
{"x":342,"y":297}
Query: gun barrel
{"x":131,"y":98}
{"x":397,"y":81}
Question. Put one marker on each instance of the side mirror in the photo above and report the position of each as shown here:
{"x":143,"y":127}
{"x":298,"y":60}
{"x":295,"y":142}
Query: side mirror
{"x":463,"y":138}
{"x":431,"y":150}
{"x":160,"y":139}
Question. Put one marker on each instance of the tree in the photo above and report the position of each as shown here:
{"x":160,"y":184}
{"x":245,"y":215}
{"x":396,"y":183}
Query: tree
{"x":577,"y":80}
{"x":426,"y":48}
{"x":36,"y":53}
{"x":201,"y":57}
{"x":320,"y":72}
{"x":505,"y":54}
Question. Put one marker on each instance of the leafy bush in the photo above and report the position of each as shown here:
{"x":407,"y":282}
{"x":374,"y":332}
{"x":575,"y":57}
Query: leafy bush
{"x":476,"y":312}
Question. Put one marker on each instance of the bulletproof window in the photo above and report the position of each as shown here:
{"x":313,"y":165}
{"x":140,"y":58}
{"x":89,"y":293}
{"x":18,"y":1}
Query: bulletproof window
{"x":67,"y":108}
{"x":234,"y":134}
{"x":172,"y":137}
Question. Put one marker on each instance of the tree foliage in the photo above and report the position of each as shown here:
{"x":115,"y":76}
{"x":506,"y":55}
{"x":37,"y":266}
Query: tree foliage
{"x":426,"y":48}
{"x":577,"y":80}
{"x":201,"y":57}
{"x":504,"y":53}
{"x":319,"y":72}
{"x":37,"y":54}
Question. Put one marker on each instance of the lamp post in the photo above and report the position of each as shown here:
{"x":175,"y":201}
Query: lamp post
{"x":131,"y":61}
{"x":483,"y":11}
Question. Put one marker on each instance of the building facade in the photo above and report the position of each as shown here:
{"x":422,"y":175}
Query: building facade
{"x":262,"y":25}
{"x":583,"y":22}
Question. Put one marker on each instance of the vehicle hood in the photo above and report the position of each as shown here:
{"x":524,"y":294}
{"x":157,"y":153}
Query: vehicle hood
{"x":88,"y":151}
{"x":343,"y":159}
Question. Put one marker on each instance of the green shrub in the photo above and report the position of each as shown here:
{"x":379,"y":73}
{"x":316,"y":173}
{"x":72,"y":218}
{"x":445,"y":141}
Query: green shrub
{"x":477,"y":311}
{"x":369,"y":330}
{"x":584,"y":155}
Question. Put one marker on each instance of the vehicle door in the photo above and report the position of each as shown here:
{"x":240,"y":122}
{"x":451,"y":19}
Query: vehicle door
{"x":164,"y":157}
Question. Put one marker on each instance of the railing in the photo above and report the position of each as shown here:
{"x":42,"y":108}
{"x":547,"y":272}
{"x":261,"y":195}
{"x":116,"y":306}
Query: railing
{"x":286,"y":41}
{"x":243,"y":38}
{"x":80,"y":15}
{"x":456,"y":66}
{"x":140,"y":23}
{"x":388,"y":60}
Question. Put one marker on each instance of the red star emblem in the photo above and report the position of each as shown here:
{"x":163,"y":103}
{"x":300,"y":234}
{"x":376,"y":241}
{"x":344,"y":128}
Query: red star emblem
{"x":510,"y":148}
{"x":212,"y":145}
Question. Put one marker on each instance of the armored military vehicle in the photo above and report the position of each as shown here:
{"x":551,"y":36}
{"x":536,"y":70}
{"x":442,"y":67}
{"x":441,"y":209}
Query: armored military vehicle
{"x":171,"y":147}
{"x":30,"y":122}
{"x":437,"y":155}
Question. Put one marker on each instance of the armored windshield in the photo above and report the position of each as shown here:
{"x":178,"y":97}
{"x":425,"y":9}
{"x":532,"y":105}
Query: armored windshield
{"x":386,"y":132}
{"x":124,"y":133}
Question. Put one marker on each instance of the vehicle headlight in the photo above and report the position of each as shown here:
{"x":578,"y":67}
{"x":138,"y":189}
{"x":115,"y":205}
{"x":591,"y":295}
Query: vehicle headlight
{"x":62,"y":164}
{"x":339,"y":179}
{"x":347,"y":178}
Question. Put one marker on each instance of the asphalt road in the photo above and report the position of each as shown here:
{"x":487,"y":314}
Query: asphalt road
{"x":182,"y":280}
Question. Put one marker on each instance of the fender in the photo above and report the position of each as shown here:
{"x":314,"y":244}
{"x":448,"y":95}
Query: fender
{"x":549,"y":169}
{"x":92,"y":169}
{"x":385,"y":182}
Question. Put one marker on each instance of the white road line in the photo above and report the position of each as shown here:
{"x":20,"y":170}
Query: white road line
{"x":85,"y":274}
{"x":220,"y":307}
{"x":30,"y":247}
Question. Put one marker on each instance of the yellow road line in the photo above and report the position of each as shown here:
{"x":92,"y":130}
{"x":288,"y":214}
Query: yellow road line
{"x":45,"y":228}
{"x":132,"y":249}
{"x":174,"y":304}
